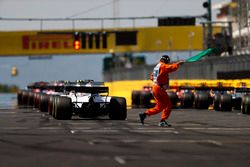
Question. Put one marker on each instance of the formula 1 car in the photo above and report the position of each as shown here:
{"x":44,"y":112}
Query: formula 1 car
{"x":219,"y":98}
{"x":83,"y":98}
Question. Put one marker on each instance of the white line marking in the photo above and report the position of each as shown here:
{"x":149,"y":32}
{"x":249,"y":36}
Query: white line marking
{"x":214,"y":142}
{"x":187,"y":141}
{"x":151,"y":131}
{"x":95,"y":131}
{"x":136,"y":124}
{"x":120,"y":160}
{"x":129,"y":141}
{"x":8,"y":112}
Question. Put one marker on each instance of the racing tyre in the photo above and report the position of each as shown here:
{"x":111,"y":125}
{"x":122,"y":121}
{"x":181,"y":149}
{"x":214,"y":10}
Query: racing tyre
{"x":187,"y":100}
{"x":25,"y":97}
{"x":145,"y":99}
{"x":44,"y":100}
{"x":225,"y":102}
{"x":202,"y":100}
{"x":50,"y":104}
{"x":54,"y":105}
{"x":19,"y":97}
{"x":118,"y":108}
{"x":243,"y":104}
{"x":34,"y":100}
{"x":63,"y":108}
{"x":216,"y":102}
{"x":236,"y":103}
{"x":173,"y":98}
{"x":247,"y":105}
{"x":37,"y":100}
{"x":30,"y":99}
{"x":136,"y":99}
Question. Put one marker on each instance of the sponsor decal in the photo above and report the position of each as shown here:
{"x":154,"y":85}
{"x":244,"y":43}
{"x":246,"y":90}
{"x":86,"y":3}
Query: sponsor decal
{"x":47,"y":42}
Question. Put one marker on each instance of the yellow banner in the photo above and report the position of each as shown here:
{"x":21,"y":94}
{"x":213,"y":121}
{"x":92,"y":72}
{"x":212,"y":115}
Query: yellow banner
{"x":169,"y":38}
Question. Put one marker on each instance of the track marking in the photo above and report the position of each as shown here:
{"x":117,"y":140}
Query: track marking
{"x":8,"y":112}
{"x":94,"y":131}
{"x":187,"y":141}
{"x":120,"y":160}
{"x":150,"y":131}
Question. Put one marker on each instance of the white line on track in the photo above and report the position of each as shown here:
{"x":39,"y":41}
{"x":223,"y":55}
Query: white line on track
{"x":119,"y":130}
{"x":94,"y":131}
{"x":9,"y":112}
{"x":150,"y":131}
{"x":120,"y":160}
{"x":187,"y":141}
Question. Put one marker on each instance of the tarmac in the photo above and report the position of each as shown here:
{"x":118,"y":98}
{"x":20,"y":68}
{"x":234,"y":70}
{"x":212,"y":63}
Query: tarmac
{"x":196,"y":138}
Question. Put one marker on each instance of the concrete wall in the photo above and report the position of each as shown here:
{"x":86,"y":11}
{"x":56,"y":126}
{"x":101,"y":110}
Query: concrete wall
{"x":203,"y":69}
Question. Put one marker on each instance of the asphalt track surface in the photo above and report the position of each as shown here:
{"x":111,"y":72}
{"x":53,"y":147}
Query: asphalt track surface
{"x":29,"y":138}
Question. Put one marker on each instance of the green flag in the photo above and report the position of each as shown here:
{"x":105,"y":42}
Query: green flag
{"x":200,"y":55}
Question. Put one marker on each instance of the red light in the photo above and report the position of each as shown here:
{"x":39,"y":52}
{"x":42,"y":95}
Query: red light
{"x":77,"y":45}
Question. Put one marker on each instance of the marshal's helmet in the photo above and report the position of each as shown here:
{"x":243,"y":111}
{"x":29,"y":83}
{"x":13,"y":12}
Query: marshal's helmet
{"x":165,"y":59}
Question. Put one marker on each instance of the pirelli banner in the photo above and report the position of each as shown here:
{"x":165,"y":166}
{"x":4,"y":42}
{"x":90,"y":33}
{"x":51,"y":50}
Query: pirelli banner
{"x":171,"y":38}
{"x":40,"y":43}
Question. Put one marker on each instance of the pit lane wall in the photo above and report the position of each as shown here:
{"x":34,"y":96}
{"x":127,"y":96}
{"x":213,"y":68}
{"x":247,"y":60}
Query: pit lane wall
{"x":125,"y":88}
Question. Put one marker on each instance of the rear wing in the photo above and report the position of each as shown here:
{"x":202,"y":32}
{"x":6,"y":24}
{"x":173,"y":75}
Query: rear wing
{"x":84,"y":86}
{"x":87,"y":89}
{"x":86,"y":83}
{"x":38,"y":85}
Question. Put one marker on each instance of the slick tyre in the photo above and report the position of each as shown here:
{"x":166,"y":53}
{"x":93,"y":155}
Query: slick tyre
{"x":44,"y":100}
{"x":37,"y":100}
{"x":247,"y":105}
{"x":30,"y":99}
{"x":236,"y":103}
{"x":187,"y":100}
{"x":202,"y":100}
{"x":225,"y":102}
{"x":136,"y":99}
{"x":173,"y":98}
{"x":145,"y":98}
{"x":243,"y":104}
{"x":118,"y":108}
{"x":50,"y":104}
{"x":25,"y":97}
{"x":63,"y":108}
{"x":216,"y":102}
{"x":19,"y":97}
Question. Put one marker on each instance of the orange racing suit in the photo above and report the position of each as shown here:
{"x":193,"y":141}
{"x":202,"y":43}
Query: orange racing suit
{"x":160,"y":84}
